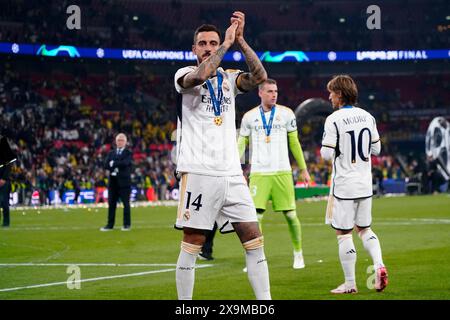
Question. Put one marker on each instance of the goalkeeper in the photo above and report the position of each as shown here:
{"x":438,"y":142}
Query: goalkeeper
{"x":272,"y":128}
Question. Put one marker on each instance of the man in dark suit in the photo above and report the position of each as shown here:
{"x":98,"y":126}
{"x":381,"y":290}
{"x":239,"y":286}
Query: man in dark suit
{"x":119,"y":163}
{"x":7,"y":157}
{"x":5,"y":189}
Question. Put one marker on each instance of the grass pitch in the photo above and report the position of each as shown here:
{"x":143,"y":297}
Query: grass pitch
{"x":37,"y":249}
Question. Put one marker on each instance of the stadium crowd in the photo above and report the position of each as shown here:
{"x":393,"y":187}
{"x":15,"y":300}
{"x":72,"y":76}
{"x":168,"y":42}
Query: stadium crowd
{"x":61,"y":118}
{"x":272,"y":25}
{"x":61,"y":127}
{"x":61,"y":142}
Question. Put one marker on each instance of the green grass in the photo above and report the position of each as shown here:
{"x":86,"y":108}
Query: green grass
{"x":414,"y":234}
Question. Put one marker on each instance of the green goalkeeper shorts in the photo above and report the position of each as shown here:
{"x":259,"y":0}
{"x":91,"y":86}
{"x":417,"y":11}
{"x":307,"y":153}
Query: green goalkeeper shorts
{"x":279,"y":188}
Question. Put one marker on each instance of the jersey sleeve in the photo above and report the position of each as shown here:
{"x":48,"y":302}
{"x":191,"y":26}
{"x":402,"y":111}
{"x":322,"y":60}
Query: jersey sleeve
{"x":232,"y":75}
{"x":245,"y":127}
{"x":375,"y":134}
{"x":329,"y":138}
{"x":296,"y":149}
{"x":181,"y":73}
{"x":291,"y":124}
{"x":242,"y":144}
{"x":375,"y":144}
{"x":327,"y":153}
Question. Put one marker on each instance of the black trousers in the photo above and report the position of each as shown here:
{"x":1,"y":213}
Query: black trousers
{"x":115,"y":192}
{"x":207,"y":248}
{"x":436,"y":181}
{"x":4,"y":202}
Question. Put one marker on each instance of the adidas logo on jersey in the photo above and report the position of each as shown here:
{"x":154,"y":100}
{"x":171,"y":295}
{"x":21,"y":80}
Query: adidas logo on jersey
{"x":225,"y":85}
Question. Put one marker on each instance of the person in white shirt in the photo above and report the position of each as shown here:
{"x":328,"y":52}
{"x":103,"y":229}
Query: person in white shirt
{"x":350,"y":138}
{"x":272,"y":128}
{"x":213,"y":188}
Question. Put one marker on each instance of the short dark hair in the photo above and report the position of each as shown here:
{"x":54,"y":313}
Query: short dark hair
{"x":346,"y":86}
{"x":206,"y":28}
{"x":268,"y":81}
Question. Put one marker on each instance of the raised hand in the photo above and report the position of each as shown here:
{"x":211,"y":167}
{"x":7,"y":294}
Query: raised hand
{"x":209,"y":65}
{"x":239,"y":17}
{"x":257,"y":75}
{"x":230,"y":34}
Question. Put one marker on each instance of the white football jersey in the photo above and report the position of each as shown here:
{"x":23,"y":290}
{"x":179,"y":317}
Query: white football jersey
{"x":272,"y":157}
{"x":204,"y":147}
{"x":351,"y":131}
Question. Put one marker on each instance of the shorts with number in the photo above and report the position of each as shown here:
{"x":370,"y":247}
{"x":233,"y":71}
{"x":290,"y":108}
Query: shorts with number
{"x":208,"y":199}
{"x":279,"y":188}
{"x":345,"y":214}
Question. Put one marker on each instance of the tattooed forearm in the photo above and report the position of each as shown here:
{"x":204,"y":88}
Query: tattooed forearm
{"x":257,"y":73}
{"x":205,"y":69}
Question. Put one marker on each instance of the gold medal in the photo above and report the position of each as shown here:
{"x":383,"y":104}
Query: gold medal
{"x":218,"y":120}
{"x":267,"y":139}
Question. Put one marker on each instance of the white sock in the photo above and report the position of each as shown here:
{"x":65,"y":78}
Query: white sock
{"x":257,"y":269}
{"x":372,"y":245}
{"x":347,"y":255}
{"x":185,"y":273}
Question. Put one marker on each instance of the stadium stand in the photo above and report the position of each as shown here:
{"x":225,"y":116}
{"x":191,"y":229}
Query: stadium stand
{"x":62,"y":115}
{"x":282,"y":25}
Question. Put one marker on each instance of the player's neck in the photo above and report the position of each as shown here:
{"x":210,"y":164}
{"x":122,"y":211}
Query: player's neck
{"x":344,"y":106}
{"x":267,"y":107}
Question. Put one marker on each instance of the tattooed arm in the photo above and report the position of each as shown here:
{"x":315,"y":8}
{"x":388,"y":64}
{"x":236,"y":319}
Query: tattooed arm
{"x":207,"y":68}
{"x":250,"y":80}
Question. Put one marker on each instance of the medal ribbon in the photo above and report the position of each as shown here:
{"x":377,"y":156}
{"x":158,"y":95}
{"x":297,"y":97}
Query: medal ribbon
{"x":216,"y":102}
{"x":267,"y":127}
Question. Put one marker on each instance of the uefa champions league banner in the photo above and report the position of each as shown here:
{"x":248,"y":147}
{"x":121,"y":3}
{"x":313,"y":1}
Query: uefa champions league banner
{"x":86,"y":196}
{"x":49,"y":50}
{"x":68,"y":197}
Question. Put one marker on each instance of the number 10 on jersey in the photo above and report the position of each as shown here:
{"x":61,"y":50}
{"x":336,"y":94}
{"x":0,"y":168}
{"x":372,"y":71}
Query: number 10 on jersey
{"x":359,"y":142}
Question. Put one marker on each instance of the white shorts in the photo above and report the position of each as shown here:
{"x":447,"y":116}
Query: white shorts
{"x":345,"y":214}
{"x":208,"y":199}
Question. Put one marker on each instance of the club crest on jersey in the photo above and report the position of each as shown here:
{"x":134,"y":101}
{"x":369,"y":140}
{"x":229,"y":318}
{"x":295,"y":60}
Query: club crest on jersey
{"x":225,"y":85}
